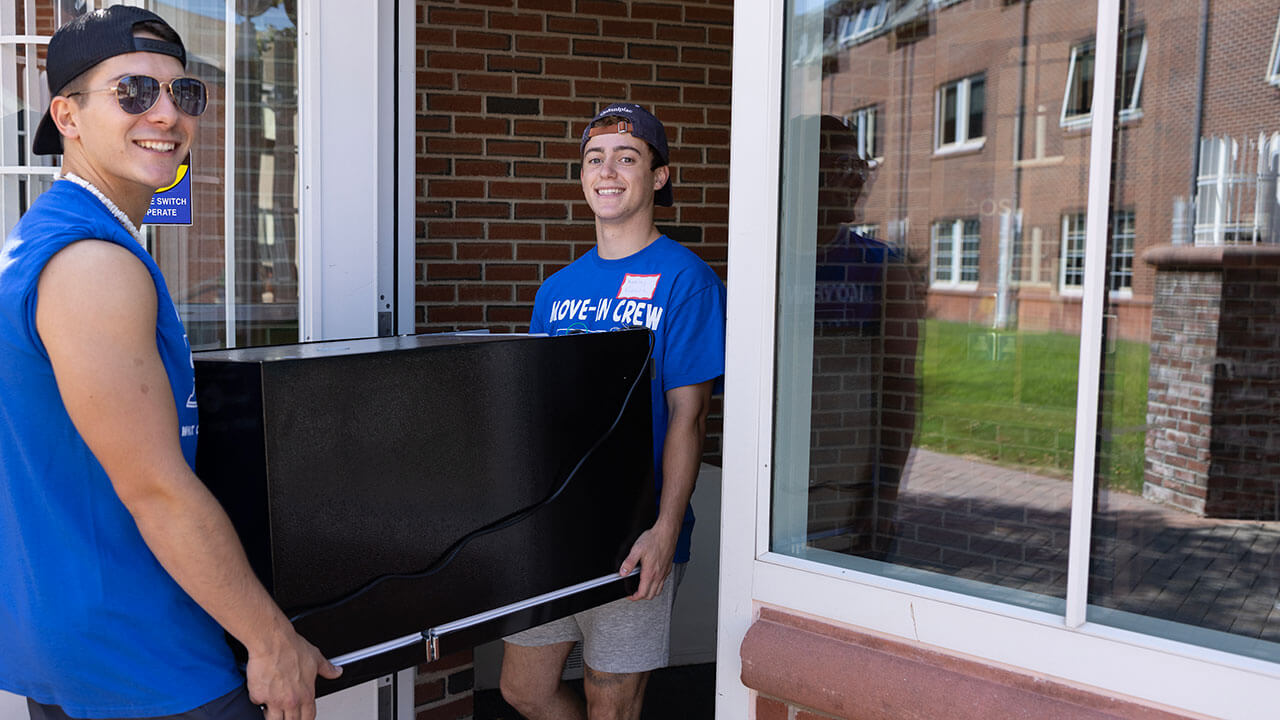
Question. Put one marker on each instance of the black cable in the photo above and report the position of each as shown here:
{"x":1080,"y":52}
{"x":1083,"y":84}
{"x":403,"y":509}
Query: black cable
{"x":501,"y":523}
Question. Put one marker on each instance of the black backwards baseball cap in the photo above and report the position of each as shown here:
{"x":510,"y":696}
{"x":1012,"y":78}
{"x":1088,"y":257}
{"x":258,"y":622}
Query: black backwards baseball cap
{"x":641,"y":123}
{"x":88,"y":40}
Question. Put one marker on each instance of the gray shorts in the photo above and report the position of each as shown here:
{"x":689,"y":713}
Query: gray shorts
{"x":624,"y":636}
{"x":235,"y":705}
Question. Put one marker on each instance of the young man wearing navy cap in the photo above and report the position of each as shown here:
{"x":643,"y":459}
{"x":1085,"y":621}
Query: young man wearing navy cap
{"x":118,"y":570}
{"x":634,"y":275}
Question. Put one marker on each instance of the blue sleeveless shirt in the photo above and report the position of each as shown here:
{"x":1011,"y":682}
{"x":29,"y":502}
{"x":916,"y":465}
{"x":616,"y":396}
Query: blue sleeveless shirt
{"x":89,"y":620}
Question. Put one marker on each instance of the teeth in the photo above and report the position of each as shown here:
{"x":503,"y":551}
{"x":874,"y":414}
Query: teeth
{"x":158,"y":146}
{"x":610,"y":191}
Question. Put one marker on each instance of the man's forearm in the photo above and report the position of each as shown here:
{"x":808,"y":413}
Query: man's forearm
{"x":191,"y":536}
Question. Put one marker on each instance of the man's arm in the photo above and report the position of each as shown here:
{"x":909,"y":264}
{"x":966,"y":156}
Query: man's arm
{"x":687,"y":408}
{"x":96,"y":316}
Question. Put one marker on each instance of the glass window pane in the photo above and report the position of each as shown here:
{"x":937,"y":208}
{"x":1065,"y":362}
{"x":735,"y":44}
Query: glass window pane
{"x":1186,"y":532}
{"x":926,"y":378}
{"x":977,"y":108}
{"x":1080,"y":92}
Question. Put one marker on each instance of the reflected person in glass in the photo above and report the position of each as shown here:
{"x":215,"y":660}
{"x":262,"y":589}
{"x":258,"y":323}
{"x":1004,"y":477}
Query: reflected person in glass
{"x":868,"y":302}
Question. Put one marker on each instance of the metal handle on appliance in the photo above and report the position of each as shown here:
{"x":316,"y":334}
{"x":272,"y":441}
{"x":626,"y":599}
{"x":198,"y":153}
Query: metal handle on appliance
{"x":432,"y":635}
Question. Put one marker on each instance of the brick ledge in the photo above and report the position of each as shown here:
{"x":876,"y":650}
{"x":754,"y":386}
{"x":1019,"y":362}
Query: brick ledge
{"x":1214,"y":257}
{"x":848,"y":674}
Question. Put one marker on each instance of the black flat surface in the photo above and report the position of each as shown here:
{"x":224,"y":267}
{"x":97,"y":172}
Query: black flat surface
{"x":342,"y":462}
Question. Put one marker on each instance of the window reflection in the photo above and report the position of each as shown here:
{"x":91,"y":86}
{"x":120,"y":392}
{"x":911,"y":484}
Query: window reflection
{"x":1187,"y":547}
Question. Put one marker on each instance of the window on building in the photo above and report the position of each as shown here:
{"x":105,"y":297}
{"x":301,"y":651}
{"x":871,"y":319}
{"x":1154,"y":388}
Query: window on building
{"x":961,"y":110}
{"x":866,"y":123}
{"x":864,"y":19}
{"x":954,"y":256}
{"x":1120,"y":277}
{"x":1077,"y":106}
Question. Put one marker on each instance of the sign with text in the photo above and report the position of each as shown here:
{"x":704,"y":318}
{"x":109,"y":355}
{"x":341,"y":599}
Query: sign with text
{"x":172,"y":205}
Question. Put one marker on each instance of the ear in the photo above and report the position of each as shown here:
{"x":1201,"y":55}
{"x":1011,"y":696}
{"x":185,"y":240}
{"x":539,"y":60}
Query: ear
{"x":660,"y":176}
{"x":66,"y":115}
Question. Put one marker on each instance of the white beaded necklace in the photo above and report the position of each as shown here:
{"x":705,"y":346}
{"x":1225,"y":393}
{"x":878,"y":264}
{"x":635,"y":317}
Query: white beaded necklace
{"x":124,"y":219}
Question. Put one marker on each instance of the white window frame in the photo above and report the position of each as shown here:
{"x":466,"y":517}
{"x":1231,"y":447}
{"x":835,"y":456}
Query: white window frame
{"x":1130,"y":112}
{"x":1273,"y":69}
{"x":1066,"y":647}
{"x":862,"y":23}
{"x":955,"y":237}
{"x":866,"y":121}
{"x":1068,"y":249}
{"x":963,"y":142}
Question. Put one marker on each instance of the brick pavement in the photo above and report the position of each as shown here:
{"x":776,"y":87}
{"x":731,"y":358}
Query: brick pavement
{"x":1010,"y":528}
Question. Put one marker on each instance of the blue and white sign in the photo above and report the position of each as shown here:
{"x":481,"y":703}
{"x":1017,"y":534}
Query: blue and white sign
{"x":172,"y":205}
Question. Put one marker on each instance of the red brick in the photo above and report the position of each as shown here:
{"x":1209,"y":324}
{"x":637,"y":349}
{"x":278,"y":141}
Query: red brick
{"x":628,"y":29}
{"x":649,"y":94}
{"x":705,"y":56}
{"x":428,"y":692}
{"x":574,"y":67}
{"x":706,"y":95}
{"x":455,"y":314}
{"x":455,"y":146}
{"x":549,"y":5}
{"x":518,"y":21}
{"x":654,"y":11}
{"x":510,"y":273}
{"x":433,"y":166}
{"x":659,"y":53}
{"x":482,"y":168}
{"x":447,"y":16}
{"x":494,"y":210}
{"x":541,"y":87}
{"x":500,"y":313}
{"x":482,"y":41}
{"x":573,"y":25}
{"x":512,"y":147}
{"x":455,"y":61}
{"x":516,"y":190}
{"x":557,"y":252}
{"x":434,"y":250}
{"x":548,"y":211}
{"x":599,"y":48}
{"x":683,"y":33}
{"x":435,"y":80}
{"x":769,"y":709}
{"x":539,"y":127}
{"x":442,"y":102}
{"x":539,"y":170}
{"x":681,"y":74}
{"x":454,"y":271}
{"x":482,"y":126}
{"x":511,"y":63}
{"x":546,"y":44}
{"x":456,"y":188}
{"x":600,"y":89}
{"x":442,"y":229}
{"x":485,"y":293}
{"x":486,"y":82}
{"x":626,"y":71}
{"x":485,"y":250}
{"x":602,"y":7}
{"x":695,"y":14}
{"x":513,"y":231}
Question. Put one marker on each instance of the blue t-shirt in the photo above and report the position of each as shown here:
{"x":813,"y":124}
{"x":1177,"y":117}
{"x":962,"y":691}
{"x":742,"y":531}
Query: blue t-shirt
{"x":664,"y":287}
{"x":89,"y":620}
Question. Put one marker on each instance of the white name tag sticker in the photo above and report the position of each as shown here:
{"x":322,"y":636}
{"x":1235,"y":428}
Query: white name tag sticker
{"x":638,"y":287}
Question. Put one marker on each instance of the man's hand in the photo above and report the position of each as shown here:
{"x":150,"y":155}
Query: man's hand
{"x":652,"y":551}
{"x":282,"y":676}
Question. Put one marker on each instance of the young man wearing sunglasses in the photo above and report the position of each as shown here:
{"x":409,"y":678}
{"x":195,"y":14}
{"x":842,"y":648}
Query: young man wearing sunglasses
{"x":635,"y":275}
{"x":118,"y":570}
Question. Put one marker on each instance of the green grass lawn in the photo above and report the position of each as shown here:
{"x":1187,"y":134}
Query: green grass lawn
{"x":1010,"y":398}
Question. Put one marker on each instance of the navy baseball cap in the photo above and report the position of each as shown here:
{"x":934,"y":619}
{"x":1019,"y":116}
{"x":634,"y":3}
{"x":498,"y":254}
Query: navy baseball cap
{"x":88,"y":40}
{"x":641,"y":123}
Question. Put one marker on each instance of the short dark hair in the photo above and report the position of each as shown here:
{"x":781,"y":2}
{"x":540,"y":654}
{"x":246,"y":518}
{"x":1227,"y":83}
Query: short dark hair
{"x":613,"y":120}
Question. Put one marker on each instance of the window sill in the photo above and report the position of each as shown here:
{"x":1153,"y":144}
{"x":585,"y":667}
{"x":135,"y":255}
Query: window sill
{"x":965,"y":148}
{"x":958,"y":288}
{"x":1081,"y":123}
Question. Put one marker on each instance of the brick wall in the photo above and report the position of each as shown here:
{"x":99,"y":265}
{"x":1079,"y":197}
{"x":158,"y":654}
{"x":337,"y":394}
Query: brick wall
{"x":1214,"y":389}
{"x":505,"y":88}
{"x":443,"y":689}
